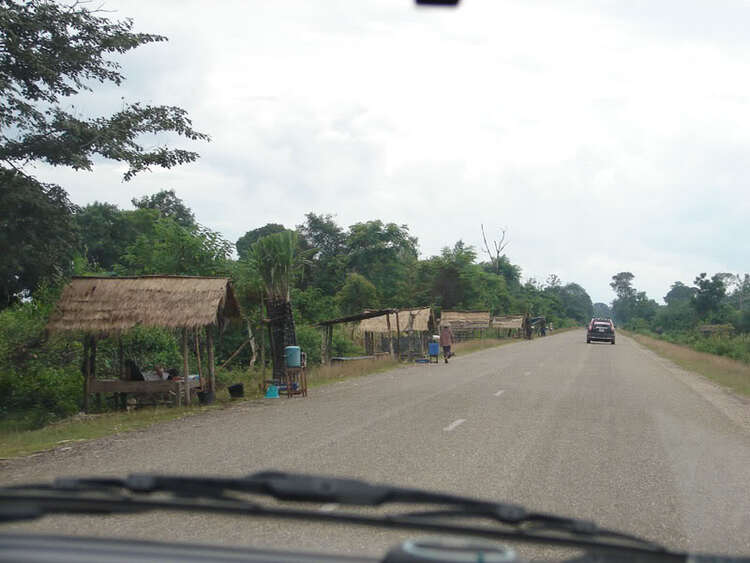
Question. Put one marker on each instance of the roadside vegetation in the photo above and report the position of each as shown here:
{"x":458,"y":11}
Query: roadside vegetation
{"x":732,"y":374}
{"x":704,"y":327}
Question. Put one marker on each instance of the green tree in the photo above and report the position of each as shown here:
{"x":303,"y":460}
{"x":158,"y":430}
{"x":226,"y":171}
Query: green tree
{"x":169,"y":205}
{"x":679,"y":293}
{"x":245,"y":242}
{"x":576,"y":303}
{"x":38,"y":236}
{"x":327,"y":242}
{"x":624,"y":304}
{"x":709,"y":293}
{"x":383,"y":253}
{"x":356,"y":295}
{"x":602,"y":310}
{"x":174,"y":249}
{"x":275,"y":258}
{"x":51,"y":52}
{"x":48,"y":53}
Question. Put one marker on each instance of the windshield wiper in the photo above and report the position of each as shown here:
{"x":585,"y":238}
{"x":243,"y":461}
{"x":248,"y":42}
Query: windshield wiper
{"x":144,"y":492}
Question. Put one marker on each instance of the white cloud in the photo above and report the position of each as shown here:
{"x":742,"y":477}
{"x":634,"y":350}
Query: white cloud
{"x":604,"y":138}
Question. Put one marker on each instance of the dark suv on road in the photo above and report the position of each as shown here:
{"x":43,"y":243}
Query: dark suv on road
{"x":601,"y":330}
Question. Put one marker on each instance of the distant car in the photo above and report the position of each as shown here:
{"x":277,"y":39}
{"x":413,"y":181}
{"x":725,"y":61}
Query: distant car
{"x":601,"y":330}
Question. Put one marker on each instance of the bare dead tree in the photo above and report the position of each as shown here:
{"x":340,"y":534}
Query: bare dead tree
{"x":498,"y":247}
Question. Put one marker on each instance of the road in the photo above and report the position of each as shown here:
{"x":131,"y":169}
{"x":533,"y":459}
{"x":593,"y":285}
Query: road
{"x":611,"y":433}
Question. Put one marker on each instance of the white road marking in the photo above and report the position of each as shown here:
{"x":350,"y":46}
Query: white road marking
{"x":453,"y":425}
{"x":329,"y":507}
{"x":500,"y":392}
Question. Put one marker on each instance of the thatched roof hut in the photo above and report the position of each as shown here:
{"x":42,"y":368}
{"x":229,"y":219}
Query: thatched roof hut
{"x":508,"y":322}
{"x":417,"y":320}
{"x":99,"y":307}
{"x":465,"y":320}
{"x":103,"y":305}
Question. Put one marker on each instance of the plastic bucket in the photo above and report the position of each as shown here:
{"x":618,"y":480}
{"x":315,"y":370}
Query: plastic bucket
{"x":433,"y":349}
{"x":237,"y":390}
{"x":293,"y":356}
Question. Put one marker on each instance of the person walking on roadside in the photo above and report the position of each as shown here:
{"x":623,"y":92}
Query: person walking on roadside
{"x":446,"y":340}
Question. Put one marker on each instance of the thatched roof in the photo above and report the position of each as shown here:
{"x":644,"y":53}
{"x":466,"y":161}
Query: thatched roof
{"x":408,"y":320}
{"x":102,"y":305}
{"x":512,"y":321}
{"x":465,"y":319}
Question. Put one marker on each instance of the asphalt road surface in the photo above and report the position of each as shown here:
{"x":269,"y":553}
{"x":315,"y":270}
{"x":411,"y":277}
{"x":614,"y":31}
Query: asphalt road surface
{"x":611,"y":433}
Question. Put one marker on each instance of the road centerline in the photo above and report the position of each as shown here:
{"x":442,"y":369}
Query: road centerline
{"x":453,"y":425}
{"x":500,"y":392}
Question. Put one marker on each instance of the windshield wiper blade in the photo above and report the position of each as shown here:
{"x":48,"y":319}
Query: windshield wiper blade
{"x":322,"y":489}
{"x":128,"y":494}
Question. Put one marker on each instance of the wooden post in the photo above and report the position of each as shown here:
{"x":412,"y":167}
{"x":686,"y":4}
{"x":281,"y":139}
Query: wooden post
{"x":398,"y":338}
{"x":211,"y":361}
{"x":323,"y":342}
{"x":390,"y":336}
{"x":196,"y":340}
{"x":185,"y":380}
{"x":329,"y":342}
{"x":86,"y":373}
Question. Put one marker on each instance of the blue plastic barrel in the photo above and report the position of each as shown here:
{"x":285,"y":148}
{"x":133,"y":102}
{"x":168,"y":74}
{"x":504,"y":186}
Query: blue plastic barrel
{"x":293,"y":356}
{"x":433,"y":348}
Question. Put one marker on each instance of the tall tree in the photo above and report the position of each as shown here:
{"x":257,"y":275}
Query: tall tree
{"x":709,"y":293}
{"x":327,"y":242}
{"x":275,"y":261}
{"x":245,"y":242}
{"x":679,"y":293}
{"x":167,"y":204}
{"x":384,"y":254}
{"x":356,"y":295}
{"x":31,"y":249}
{"x":48,"y":53}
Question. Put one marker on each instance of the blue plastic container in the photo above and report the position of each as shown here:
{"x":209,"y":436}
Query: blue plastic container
{"x":433,"y":349}
{"x":293,"y":356}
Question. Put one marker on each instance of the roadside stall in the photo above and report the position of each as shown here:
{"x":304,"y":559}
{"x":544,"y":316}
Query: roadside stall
{"x":104,"y":307}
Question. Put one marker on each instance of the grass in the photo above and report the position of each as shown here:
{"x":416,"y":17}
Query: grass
{"x":84,"y":427}
{"x":725,"y":371}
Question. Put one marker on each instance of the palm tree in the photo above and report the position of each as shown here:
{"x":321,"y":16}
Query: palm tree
{"x":276,"y":262}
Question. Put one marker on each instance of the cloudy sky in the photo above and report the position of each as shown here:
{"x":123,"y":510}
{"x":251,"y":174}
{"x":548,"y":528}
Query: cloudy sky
{"x":605,"y":136}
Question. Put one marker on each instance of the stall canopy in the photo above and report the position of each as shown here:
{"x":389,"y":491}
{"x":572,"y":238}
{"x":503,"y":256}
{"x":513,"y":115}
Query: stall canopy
{"x":98,"y":307}
{"x":104,"y":305}
{"x":465,"y":320}
{"x":508,"y":322}
{"x":417,"y":320}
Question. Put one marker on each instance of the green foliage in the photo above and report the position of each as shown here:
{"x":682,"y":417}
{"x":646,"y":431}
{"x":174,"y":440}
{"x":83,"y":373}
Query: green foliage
{"x":709,"y":294}
{"x":51,"y":52}
{"x":312,"y":305}
{"x":37,"y":235}
{"x":245,"y":242}
{"x":308,"y":338}
{"x":275,"y":261}
{"x":357,"y":294}
{"x":384,"y":254}
{"x":173,"y":249}
{"x":168,"y":205}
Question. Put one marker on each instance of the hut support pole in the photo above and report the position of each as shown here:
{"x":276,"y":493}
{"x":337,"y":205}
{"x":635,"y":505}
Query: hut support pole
{"x":390,"y":334}
{"x":398,"y":338}
{"x":92,"y":370}
{"x":196,"y":339}
{"x":211,"y":362}
{"x":185,"y":380}
{"x":86,"y":373}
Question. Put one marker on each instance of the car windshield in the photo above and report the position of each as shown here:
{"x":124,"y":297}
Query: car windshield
{"x":380,"y":240}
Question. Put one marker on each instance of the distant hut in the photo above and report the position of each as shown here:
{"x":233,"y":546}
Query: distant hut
{"x":508,"y":323}
{"x":464,"y":324}
{"x":99,"y":307}
{"x":412,"y":327}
